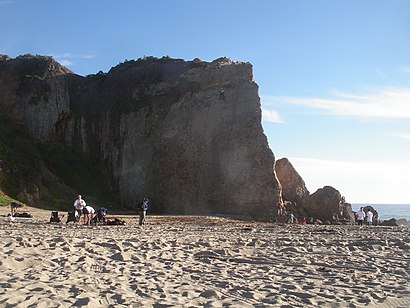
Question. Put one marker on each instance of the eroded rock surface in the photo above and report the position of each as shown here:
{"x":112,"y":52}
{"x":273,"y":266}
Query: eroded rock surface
{"x":186,"y":134}
{"x":325,"y":205}
{"x":293,"y":186}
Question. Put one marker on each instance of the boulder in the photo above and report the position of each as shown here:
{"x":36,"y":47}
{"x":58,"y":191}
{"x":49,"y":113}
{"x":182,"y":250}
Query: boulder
{"x":293,"y":186}
{"x":326,"y":205}
{"x":403,"y":222}
{"x":391,"y":223}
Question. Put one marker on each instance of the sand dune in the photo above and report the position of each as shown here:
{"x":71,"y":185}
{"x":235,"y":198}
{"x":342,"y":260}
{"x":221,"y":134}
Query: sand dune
{"x":202,"y":261}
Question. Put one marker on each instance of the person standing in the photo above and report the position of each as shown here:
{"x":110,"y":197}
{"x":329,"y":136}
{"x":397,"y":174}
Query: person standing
{"x":376,"y":219}
{"x":79,"y":205}
{"x":280,"y":208}
{"x":360,"y":215}
{"x":101,"y":213}
{"x":369,"y":218}
{"x":142,"y":210}
{"x":292,"y":218}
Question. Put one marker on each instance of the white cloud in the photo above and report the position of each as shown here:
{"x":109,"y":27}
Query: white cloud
{"x":384,"y":103}
{"x":405,"y":69}
{"x":401,"y":136}
{"x":67,"y":58}
{"x":268,"y":114}
{"x":359,"y":181}
{"x":65,"y":62}
{"x":68,"y":55}
{"x":88,"y":56}
{"x":381,"y":74}
{"x":271,"y":116}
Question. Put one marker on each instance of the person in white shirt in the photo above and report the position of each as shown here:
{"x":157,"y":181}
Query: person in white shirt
{"x":88,"y":212}
{"x":360,"y":215}
{"x":79,"y":205}
{"x":10,"y":218}
{"x":369,"y":218}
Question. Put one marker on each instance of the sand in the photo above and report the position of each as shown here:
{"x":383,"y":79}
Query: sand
{"x":201,"y":262}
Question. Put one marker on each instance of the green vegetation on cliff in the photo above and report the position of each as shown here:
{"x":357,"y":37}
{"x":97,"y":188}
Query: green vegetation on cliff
{"x":45,"y":175}
{"x":79,"y":171}
{"x":20,"y":162}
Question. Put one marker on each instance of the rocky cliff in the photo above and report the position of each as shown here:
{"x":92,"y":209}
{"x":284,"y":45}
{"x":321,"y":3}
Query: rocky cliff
{"x":186,"y":134}
{"x":326,"y":204}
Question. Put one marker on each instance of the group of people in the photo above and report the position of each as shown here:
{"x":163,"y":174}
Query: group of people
{"x":368,"y":216}
{"x":361,"y":216}
{"x":81,"y":209}
{"x":13,"y":211}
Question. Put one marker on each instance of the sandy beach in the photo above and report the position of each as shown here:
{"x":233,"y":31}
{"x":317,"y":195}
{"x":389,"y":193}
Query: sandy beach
{"x":191,"y":261}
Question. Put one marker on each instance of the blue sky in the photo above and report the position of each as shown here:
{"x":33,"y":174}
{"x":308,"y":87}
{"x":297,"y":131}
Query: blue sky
{"x":333,"y":76}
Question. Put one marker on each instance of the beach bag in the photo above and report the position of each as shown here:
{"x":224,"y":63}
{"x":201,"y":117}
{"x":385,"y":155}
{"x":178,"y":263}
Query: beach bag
{"x":54,"y":217}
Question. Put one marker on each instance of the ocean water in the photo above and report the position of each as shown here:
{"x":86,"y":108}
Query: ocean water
{"x":388,"y":211}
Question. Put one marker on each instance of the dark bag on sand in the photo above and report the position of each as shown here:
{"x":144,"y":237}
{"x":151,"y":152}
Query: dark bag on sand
{"x":71,"y":217}
{"x":54,"y":217}
{"x":23,"y":215}
{"x":115,"y":222}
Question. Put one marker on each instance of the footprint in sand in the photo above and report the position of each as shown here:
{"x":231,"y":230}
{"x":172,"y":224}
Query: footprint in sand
{"x":122,"y":256}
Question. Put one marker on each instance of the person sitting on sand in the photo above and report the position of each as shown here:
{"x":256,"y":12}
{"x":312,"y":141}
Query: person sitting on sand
{"x":360,"y":215}
{"x":79,"y":205}
{"x":369,"y":218}
{"x":10,"y":218}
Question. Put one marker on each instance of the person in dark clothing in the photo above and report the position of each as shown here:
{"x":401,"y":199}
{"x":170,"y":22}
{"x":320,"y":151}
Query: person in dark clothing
{"x":222,"y":94}
{"x":142,"y":210}
{"x":13,"y":208}
{"x":101,"y":213}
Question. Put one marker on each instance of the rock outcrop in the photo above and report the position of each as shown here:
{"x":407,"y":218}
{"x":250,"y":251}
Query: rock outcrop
{"x":293,"y":186}
{"x":34,"y":91}
{"x":392,"y":222}
{"x":186,"y":134}
{"x":403,"y":222}
{"x":325,"y":205}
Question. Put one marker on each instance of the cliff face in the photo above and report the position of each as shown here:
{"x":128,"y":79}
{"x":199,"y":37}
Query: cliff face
{"x":34,"y":90}
{"x":186,"y":134}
